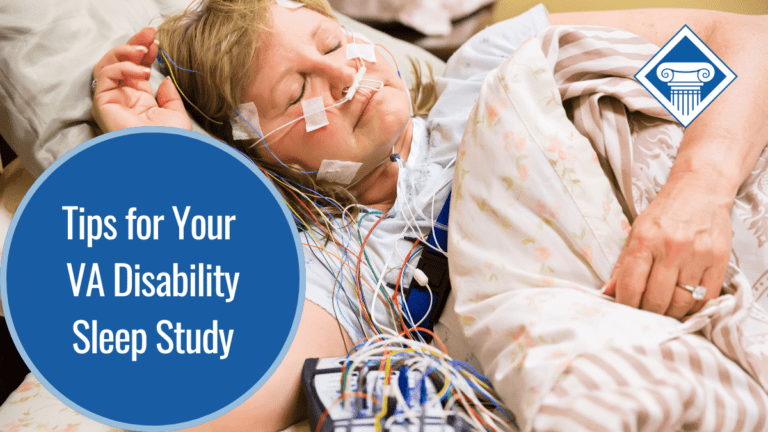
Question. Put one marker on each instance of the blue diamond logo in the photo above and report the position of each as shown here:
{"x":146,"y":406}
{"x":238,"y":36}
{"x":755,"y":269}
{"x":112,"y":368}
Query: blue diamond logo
{"x":685,"y":76}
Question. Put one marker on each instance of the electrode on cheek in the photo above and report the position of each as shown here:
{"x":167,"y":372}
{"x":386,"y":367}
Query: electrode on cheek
{"x":314,"y":113}
{"x":245,"y":122}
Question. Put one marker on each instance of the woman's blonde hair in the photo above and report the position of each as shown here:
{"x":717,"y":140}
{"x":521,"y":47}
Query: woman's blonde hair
{"x":217,"y":40}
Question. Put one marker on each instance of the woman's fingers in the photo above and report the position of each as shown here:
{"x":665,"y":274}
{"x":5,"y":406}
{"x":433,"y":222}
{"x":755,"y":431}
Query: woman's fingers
{"x":145,"y":37}
{"x":125,"y":72}
{"x":712,"y":280}
{"x":661,"y":286}
{"x":168,"y":97}
{"x":121,"y":53}
{"x":151,"y":55}
{"x":682,"y":299}
{"x":633,"y":275}
{"x":141,"y":49}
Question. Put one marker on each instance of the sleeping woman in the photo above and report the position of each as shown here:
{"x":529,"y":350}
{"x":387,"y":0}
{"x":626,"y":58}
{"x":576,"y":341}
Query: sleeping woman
{"x":251,"y":69}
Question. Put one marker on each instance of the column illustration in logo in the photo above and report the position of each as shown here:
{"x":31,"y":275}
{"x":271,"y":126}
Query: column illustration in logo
{"x":685,"y":76}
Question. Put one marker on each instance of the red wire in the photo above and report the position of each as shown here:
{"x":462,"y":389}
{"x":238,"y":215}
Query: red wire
{"x":348,"y":265}
{"x":434,"y":336}
{"x":357,"y":270}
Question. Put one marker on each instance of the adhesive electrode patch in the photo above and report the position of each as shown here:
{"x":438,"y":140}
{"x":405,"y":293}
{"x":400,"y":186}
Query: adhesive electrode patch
{"x":363,"y":51}
{"x":245,"y":122}
{"x":314,"y":113}
{"x":153,"y":301}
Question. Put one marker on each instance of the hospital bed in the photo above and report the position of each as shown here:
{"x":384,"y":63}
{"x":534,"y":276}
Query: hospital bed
{"x":45,"y":119}
{"x":45,"y":75}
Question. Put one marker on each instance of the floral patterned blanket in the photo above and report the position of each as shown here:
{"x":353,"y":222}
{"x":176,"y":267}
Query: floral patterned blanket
{"x":563,"y":150}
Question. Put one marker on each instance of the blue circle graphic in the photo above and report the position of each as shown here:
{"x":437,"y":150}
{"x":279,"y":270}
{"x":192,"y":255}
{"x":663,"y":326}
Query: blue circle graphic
{"x":99,"y":268}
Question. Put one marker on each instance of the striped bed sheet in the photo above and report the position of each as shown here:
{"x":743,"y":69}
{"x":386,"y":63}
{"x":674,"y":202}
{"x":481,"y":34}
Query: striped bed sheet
{"x":563,"y":150}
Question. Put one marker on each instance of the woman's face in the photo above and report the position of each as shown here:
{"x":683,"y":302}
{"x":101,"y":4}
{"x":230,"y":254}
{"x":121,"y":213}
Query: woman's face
{"x":304,"y":57}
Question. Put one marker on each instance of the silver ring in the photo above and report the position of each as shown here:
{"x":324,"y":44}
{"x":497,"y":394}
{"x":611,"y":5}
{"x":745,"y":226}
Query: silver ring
{"x":93,"y":86}
{"x":697,"y":292}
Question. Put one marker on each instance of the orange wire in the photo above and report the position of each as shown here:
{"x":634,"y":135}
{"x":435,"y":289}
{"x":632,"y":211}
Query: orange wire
{"x":434,"y":336}
{"x":190,"y":4}
{"x":335,"y":240}
{"x":390,"y":54}
{"x":359,"y":256}
{"x":360,"y":259}
{"x":350,"y":267}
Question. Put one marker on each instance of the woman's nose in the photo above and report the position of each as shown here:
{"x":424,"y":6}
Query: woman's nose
{"x":340,"y":74}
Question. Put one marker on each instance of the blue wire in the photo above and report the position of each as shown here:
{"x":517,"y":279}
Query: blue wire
{"x":460,"y":364}
{"x":341,"y":288}
{"x":299,"y":224}
{"x":267,"y":145}
{"x":490,"y":399}
{"x":345,"y":257}
{"x":344,"y":217}
{"x":160,"y":60}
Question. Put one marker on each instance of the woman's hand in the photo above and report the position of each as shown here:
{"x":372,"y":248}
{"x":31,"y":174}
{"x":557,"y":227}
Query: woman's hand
{"x":123,"y":96}
{"x":682,"y":238}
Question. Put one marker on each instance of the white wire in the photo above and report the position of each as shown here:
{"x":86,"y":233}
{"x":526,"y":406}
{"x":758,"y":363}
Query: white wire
{"x":410,"y":317}
{"x":424,"y":357}
{"x":263,"y":138}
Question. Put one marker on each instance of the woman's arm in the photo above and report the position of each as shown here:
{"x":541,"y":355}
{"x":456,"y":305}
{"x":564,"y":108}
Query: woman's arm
{"x":123,"y":96}
{"x":281,"y":402}
{"x":684,"y":235}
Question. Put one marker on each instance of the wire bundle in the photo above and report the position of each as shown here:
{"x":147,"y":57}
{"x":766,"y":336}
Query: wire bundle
{"x":399,"y":400}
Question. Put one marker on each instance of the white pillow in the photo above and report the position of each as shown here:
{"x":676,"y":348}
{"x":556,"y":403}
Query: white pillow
{"x":49,"y":51}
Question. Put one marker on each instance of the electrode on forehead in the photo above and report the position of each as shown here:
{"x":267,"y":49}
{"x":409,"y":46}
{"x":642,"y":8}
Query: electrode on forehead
{"x":290,"y":4}
{"x":363,"y":51}
{"x":341,"y":172}
{"x":314,"y":113}
{"x":245,"y":122}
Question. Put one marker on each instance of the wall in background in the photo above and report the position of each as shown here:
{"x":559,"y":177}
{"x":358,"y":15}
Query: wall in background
{"x":504,"y":9}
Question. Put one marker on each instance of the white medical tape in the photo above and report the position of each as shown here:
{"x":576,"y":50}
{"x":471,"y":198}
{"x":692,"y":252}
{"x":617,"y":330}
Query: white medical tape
{"x":338,"y":171}
{"x":363,"y":51}
{"x":355,"y":35}
{"x":289,"y":4}
{"x":241,"y":129}
{"x":314,"y":113}
{"x":353,"y":88}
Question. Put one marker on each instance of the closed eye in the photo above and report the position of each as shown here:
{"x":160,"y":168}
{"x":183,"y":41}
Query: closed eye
{"x":338,"y":45}
{"x":301,"y":94}
{"x":304,"y":83}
